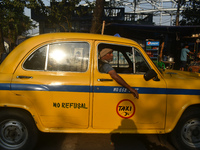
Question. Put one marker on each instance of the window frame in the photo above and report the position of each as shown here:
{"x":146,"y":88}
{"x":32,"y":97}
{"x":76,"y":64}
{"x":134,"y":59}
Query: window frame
{"x":133,"y":49}
{"x":47,"y":56}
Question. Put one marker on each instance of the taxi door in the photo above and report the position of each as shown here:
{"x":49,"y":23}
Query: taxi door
{"x":114,"y":107}
{"x":56,"y":79}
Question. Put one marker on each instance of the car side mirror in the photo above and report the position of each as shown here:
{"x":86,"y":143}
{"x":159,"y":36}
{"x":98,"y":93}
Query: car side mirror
{"x":151,"y":74}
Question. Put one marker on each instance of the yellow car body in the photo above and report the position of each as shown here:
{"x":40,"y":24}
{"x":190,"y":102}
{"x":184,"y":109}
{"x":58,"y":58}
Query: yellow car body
{"x":86,"y":100}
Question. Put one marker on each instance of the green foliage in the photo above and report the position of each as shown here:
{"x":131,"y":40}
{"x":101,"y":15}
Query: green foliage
{"x":191,"y":15}
{"x":59,"y":13}
{"x":13,"y":22}
{"x":14,"y":19}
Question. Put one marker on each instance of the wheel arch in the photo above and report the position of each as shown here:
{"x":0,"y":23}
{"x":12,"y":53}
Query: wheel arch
{"x":194,"y":107}
{"x":18,"y":129}
{"x":31,"y":114}
{"x":180,"y":138}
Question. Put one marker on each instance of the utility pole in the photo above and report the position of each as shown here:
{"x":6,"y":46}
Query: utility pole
{"x":177,"y":15}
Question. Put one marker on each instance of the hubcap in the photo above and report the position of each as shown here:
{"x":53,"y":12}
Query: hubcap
{"x":13,"y":134}
{"x":191,"y":133}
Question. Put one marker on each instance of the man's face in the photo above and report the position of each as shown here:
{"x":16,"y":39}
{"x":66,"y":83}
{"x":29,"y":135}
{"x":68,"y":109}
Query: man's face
{"x":108,"y":57}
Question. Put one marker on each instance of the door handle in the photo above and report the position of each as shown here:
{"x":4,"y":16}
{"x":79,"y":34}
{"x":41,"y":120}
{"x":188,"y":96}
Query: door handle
{"x":104,"y":80}
{"x":24,"y":77}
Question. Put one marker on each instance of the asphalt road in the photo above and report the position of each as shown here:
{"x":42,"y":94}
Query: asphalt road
{"x":102,"y":142}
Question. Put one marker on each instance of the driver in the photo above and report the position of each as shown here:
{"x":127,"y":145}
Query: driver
{"x":105,"y":56}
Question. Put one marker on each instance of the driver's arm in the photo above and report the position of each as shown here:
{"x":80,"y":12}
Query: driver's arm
{"x":121,"y":81}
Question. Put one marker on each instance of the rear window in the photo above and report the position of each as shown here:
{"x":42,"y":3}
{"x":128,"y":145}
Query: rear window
{"x":64,"y":56}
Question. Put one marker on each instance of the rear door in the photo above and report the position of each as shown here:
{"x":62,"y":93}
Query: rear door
{"x":55,"y":78}
{"x":114,"y":106}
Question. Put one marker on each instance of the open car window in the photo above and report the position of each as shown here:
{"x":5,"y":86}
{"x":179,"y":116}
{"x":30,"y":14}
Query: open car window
{"x":126,"y":59}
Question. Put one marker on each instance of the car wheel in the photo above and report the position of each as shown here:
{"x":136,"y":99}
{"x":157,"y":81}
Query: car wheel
{"x":186,"y":134}
{"x":17,"y":131}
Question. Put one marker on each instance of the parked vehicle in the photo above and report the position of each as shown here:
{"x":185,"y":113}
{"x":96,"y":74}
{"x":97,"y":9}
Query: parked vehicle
{"x":51,"y":83}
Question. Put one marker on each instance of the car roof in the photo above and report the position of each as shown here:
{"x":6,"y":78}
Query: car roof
{"x":13,"y":59}
{"x":70,"y":35}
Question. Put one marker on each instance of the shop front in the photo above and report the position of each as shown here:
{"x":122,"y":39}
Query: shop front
{"x":170,"y":40}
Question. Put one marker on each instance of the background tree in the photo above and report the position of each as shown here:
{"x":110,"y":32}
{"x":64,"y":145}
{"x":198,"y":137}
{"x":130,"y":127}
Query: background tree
{"x":59,"y":14}
{"x":191,"y":14}
{"x":180,"y":3}
{"x":13,"y":22}
{"x":2,"y":49}
{"x":97,"y":16}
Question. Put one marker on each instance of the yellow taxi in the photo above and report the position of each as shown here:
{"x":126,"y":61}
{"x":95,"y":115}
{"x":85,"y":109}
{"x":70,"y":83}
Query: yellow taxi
{"x":52,"y":83}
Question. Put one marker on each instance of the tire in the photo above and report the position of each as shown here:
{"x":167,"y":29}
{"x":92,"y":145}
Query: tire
{"x":186,"y":135}
{"x":17,"y":130}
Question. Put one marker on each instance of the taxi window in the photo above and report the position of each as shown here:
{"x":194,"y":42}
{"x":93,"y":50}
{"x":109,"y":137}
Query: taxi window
{"x":64,"y":56}
{"x":36,"y":61}
{"x":68,"y":57}
{"x":122,"y":60}
{"x":126,"y":59}
{"x":141,"y":66}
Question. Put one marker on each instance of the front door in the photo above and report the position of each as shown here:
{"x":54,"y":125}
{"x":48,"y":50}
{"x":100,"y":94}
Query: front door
{"x":114,"y":107}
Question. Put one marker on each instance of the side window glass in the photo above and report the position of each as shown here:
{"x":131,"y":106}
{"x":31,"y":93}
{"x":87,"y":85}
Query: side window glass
{"x":141,"y":66}
{"x":68,"y":56}
{"x":36,"y":61}
{"x":122,"y":60}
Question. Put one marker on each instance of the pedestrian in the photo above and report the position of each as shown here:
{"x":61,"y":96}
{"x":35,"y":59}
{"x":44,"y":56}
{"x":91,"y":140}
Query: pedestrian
{"x":183,"y":57}
{"x":105,"y":56}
